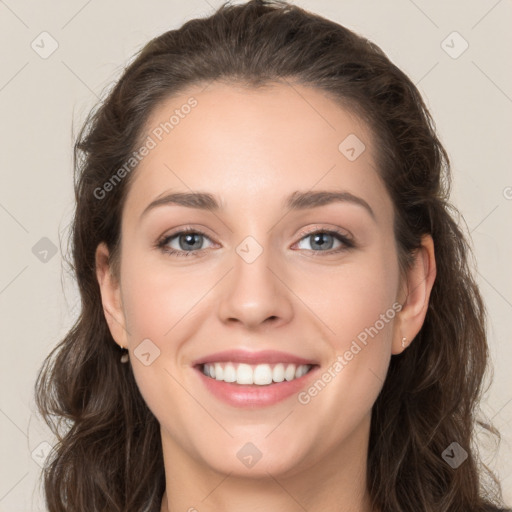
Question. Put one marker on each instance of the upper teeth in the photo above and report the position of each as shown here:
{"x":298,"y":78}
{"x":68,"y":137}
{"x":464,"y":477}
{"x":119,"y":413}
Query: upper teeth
{"x":259,"y":374}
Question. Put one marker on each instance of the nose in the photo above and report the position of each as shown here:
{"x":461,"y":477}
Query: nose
{"x":255,"y":293}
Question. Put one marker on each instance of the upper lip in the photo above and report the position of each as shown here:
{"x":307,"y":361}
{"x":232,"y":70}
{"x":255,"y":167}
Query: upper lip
{"x":244,"y":356}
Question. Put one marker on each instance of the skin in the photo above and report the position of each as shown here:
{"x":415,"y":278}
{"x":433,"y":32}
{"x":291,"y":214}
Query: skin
{"x":252,"y":148}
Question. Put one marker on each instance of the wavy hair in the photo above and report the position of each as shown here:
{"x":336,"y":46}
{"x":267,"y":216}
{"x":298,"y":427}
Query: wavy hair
{"x":108,"y":453}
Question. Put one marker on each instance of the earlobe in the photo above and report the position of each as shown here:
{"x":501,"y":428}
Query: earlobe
{"x":419,"y":282}
{"x":110,"y":296}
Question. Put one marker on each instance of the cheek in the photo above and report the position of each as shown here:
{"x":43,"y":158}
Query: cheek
{"x":157,"y":297}
{"x":359,"y":307}
{"x":355,"y":299}
{"x":158,"y":308}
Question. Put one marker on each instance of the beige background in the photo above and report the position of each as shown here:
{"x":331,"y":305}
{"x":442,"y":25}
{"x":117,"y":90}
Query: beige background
{"x":470,"y":98}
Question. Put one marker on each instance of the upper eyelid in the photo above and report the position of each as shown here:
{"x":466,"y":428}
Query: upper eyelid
{"x":185,"y":230}
{"x":322,"y":229}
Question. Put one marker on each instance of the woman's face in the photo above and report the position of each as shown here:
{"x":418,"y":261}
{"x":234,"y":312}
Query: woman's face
{"x":294,"y":268}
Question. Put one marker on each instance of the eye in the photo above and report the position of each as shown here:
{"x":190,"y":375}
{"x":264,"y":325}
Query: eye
{"x":187,"y":242}
{"x":323,"y":241}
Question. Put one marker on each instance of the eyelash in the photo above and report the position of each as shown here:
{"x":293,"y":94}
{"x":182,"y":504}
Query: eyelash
{"x":162,"y":244}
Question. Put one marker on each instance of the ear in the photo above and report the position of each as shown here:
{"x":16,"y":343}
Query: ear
{"x":418,"y":285}
{"x":111,"y":296}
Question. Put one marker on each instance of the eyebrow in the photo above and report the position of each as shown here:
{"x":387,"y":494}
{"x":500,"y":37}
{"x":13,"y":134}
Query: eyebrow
{"x":296,"y":201}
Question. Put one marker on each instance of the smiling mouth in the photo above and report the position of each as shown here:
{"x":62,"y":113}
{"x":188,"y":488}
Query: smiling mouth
{"x":257,"y":374}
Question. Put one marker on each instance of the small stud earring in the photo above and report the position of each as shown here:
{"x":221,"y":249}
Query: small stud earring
{"x":124,"y":357}
{"x":403,"y":342}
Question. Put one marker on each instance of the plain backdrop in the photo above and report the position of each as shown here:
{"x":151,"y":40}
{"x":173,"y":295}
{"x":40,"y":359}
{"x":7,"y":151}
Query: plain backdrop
{"x":45,"y":95}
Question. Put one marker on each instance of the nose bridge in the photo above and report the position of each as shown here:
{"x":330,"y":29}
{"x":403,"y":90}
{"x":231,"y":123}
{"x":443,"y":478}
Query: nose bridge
{"x":254,"y":292}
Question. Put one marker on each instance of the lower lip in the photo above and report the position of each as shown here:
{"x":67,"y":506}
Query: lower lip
{"x":252,"y":395}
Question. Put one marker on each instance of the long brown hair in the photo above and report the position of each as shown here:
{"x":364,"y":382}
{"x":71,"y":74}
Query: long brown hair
{"x":108,"y":454}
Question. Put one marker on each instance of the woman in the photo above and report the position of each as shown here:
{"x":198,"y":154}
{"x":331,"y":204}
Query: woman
{"x":322,"y":344}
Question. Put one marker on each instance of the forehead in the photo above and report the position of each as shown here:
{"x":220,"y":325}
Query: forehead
{"x":252,"y":144}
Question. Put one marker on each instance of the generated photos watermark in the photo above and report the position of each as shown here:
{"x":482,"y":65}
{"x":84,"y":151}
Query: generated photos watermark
{"x":157,"y":135}
{"x":342,"y":360}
